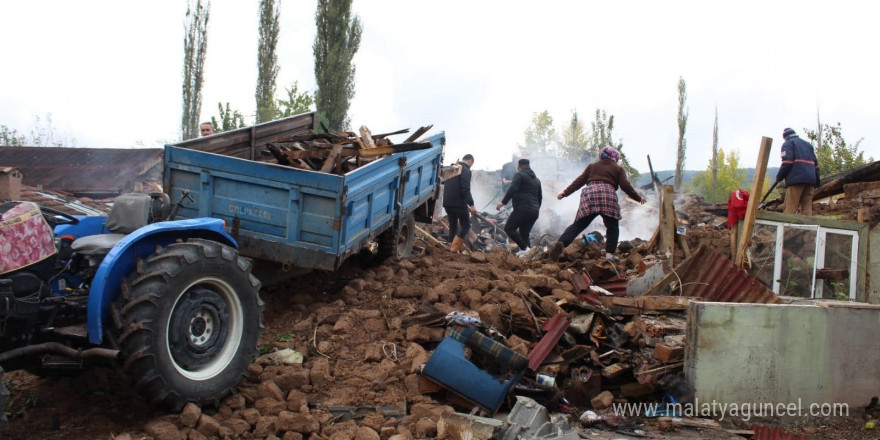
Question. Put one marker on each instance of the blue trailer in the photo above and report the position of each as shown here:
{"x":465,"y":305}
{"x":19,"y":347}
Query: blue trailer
{"x":161,"y":289}
{"x":301,"y":218}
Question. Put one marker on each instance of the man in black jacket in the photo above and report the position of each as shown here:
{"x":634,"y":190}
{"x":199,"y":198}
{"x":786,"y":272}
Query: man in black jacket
{"x":525,"y":191}
{"x":457,"y":201}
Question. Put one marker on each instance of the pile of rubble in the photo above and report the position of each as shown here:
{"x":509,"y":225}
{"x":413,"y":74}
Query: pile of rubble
{"x":347,"y":365}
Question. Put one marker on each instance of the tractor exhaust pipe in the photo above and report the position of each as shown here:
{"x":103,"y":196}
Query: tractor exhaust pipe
{"x":59,"y":348}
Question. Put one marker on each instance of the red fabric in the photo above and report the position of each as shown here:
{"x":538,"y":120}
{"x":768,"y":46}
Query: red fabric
{"x":25,"y":237}
{"x":736,"y":206}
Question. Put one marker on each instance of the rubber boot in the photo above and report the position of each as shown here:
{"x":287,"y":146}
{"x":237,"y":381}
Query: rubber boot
{"x":456,"y":244}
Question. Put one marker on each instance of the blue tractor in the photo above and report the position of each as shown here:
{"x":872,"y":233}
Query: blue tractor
{"x":172,"y":303}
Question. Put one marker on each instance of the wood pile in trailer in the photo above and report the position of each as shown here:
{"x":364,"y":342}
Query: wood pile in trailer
{"x":339,"y":152}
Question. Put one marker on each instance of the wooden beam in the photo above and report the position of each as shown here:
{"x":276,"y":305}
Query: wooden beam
{"x":330,"y":161}
{"x":418,"y":133}
{"x":667,"y":221}
{"x":367,"y":137}
{"x":754,"y":200}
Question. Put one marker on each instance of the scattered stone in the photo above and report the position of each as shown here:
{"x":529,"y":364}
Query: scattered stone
{"x":162,"y":430}
{"x":190,"y":415}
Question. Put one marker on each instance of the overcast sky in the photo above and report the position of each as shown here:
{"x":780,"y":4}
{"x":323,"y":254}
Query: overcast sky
{"x":109,"y":72}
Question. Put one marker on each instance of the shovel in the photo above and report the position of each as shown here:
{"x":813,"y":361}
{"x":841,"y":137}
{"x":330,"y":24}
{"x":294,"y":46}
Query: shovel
{"x":761,"y":205}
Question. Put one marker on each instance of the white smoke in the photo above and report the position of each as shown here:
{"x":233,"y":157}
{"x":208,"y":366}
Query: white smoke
{"x":639,"y":221}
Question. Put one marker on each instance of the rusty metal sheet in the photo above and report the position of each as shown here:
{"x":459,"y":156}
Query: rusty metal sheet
{"x":97,"y":172}
{"x":616,"y":285}
{"x":712,"y":277}
{"x":553,"y":330}
{"x":581,"y":282}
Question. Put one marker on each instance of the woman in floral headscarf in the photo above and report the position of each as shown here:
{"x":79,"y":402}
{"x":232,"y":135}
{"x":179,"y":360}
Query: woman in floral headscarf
{"x":599,"y":198}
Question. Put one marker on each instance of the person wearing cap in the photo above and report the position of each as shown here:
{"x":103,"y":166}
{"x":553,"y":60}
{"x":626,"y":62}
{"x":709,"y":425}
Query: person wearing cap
{"x":800,"y":170}
{"x":525,"y":191}
{"x":598,"y":199}
{"x":459,"y":203}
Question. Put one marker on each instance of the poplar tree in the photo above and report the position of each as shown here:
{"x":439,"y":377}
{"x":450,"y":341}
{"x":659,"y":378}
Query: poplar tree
{"x":715,"y":154}
{"x":682,"y":125}
{"x":267,"y":61}
{"x":336,"y":42}
{"x":195,"y":45}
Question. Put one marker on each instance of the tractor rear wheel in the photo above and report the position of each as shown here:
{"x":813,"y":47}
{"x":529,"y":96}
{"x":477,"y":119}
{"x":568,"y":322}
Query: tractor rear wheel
{"x":397,"y":241}
{"x":189,"y":320}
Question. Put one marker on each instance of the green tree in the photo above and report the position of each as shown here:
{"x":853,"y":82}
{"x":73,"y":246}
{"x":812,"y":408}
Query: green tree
{"x":229,"y":119}
{"x":267,"y":61}
{"x":337,"y":40}
{"x":295,"y":102}
{"x":601,"y":136}
{"x":730,"y":177}
{"x":195,"y":45}
{"x":834,"y":153}
{"x":682,"y":126}
{"x":540,"y":137}
{"x":574,"y":141}
{"x":10,"y":137}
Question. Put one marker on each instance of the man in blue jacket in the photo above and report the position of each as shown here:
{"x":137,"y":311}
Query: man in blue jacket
{"x":800,"y":169}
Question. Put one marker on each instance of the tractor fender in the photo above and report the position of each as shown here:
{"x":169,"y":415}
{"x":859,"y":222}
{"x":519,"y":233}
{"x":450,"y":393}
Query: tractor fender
{"x":120,"y":262}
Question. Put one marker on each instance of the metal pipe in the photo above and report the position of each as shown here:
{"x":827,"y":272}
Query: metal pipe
{"x":59,"y":348}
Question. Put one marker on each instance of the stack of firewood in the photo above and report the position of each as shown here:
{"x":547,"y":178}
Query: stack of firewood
{"x":340,"y":152}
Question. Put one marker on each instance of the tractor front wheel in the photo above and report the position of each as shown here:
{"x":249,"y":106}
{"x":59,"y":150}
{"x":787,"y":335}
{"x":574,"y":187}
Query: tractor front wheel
{"x":189,"y":320}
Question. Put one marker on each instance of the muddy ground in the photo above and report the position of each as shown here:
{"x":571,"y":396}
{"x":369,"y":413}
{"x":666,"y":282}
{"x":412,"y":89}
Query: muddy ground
{"x":364,"y":332}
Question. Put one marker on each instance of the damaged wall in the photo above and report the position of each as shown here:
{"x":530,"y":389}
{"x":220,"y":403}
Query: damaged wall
{"x":809,"y":351}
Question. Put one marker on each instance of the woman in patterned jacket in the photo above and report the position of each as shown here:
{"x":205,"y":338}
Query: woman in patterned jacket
{"x":599,"y":198}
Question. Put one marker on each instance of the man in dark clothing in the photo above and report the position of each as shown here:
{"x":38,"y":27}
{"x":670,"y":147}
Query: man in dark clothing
{"x":509,"y":170}
{"x":459,"y":204}
{"x":525,"y":191}
{"x":800,"y":169}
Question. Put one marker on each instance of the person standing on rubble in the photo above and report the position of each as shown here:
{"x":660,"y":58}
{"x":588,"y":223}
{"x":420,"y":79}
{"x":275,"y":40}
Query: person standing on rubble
{"x":509,"y":170}
{"x":800,"y":169}
{"x":459,"y":204}
{"x":525,"y":191}
{"x":599,"y":198}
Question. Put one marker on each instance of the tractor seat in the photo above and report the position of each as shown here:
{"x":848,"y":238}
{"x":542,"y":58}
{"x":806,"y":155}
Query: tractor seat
{"x":130,"y":212}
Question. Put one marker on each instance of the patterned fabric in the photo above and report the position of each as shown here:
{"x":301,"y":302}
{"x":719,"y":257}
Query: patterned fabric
{"x":25,"y":237}
{"x":599,"y":198}
{"x":609,"y":153}
{"x":485,"y":345}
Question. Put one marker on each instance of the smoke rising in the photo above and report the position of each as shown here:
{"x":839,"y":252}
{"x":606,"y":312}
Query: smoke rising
{"x":639,"y":221}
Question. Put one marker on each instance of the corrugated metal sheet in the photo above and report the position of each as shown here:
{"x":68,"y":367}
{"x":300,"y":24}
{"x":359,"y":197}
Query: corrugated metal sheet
{"x":712,"y":277}
{"x":82,"y":170}
{"x":553,"y":330}
{"x":616,"y":285}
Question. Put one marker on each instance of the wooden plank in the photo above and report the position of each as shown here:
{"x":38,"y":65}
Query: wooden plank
{"x":643,"y":303}
{"x":752,"y":208}
{"x":367,"y":137}
{"x":683,"y":244}
{"x":667,"y":221}
{"x":418,"y":133}
{"x":330,"y":162}
{"x":425,"y":235}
